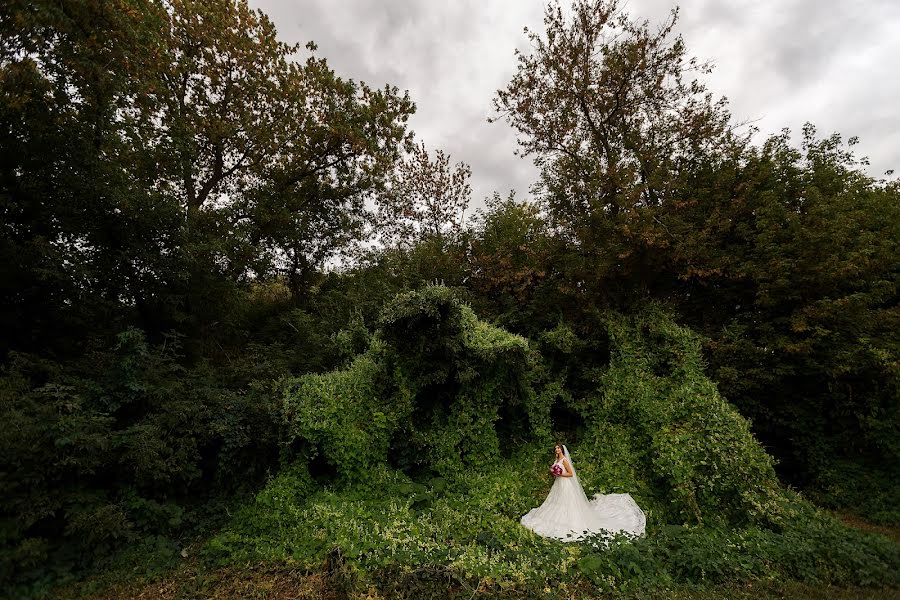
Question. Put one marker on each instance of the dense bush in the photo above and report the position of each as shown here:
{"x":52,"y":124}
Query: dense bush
{"x":120,"y":445}
{"x":656,"y":404}
{"x":437,"y":388}
{"x":347,"y":417}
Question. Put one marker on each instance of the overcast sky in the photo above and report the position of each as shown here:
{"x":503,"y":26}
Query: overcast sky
{"x":779,"y":62}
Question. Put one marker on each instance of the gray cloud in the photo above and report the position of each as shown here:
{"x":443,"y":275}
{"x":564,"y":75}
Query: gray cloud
{"x":784,"y":63}
{"x":779,"y":63}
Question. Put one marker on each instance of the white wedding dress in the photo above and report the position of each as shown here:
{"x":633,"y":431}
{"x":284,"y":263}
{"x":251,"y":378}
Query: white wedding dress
{"x":568,"y":515}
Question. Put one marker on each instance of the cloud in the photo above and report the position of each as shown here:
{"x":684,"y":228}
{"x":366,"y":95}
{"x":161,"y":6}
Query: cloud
{"x":779,"y":63}
{"x":784,"y":63}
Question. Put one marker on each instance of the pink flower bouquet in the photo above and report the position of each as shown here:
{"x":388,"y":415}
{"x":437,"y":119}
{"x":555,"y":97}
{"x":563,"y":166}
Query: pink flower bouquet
{"x":556,"y":470}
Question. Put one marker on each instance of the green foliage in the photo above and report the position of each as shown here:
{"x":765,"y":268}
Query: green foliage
{"x":432,"y":387}
{"x":864,"y":489}
{"x":121,"y":445}
{"x":392,"y":521}
{"x":397,"y":534}
{"x":350,"y":415}
{"x":511,"y":266}
{"x":471,"y":380}
{"x":813,"y":548}
{"x":694,"y":446}
{"x":806,"y":341}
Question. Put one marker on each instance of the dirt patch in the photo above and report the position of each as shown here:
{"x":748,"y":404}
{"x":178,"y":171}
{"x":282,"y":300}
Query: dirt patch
{"x":890,"y":531}
{"x":252,"y":583}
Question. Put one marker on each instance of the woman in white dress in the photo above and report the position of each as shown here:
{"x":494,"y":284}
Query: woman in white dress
{"x":568,"y":515}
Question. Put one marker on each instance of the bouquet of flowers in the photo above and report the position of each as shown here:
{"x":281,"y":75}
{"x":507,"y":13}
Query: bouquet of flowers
{"x":556,"y":470}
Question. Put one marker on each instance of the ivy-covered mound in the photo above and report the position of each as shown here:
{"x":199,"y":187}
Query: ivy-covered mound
{"x":657,"y":424}
{"x":414,"y":463}
{"x":437,"y":389}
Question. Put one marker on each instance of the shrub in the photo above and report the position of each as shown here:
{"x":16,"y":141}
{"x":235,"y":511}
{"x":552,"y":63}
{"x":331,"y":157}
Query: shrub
{"x":432,"y":387}
{"x":667,"y":423}
{"x":119,"y":445}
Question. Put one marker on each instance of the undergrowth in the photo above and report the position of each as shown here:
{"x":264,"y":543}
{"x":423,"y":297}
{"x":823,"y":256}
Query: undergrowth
{"x":406,"y":471}
{"x":429,"y":535}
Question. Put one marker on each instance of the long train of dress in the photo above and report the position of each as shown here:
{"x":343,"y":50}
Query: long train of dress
{"x":568,"y":515}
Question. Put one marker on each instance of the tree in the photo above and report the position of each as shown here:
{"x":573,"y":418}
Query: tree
{"x":799,"y":282}
{"x":426,"y":199}
{"x":604,"y":105}
{"x":83,"y":233}
{"x":314,"y":203}
{"x":156,"y":171}
{"x":512,"y":265}
{"x":282,"y":153}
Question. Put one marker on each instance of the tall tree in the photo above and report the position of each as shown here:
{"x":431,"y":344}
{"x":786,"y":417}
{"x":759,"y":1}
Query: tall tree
{"x":605,"y":106}
{"x":157,"y":154}
{"x":283,"y":154}
{"x":82,"y":230}
{"x":512,"y":266}
{"x":426,"y":199}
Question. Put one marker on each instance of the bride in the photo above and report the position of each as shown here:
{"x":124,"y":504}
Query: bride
{"x":568,"y":515}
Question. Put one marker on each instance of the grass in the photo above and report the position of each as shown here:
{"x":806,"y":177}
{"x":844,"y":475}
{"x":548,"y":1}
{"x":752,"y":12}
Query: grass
{"x":278,"y":582}
{"x":263,"y":554}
